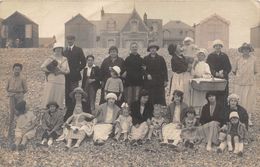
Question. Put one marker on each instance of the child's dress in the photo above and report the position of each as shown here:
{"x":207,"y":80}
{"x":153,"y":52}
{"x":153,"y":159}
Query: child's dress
{"x":189,"y":131}
{"x":125,"y":123}
{"x":157,"y":125}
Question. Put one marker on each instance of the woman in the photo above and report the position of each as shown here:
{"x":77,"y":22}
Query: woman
{"x":211,"y":119}
{"x":142,"y":111}
{"x":233,"y":105}
{"x":179,"y":67}
{"x":106,"y":119}
{"x":175,"y":115}
{"x":220,"y":67}
{"x":156,"y":75}
{"x":55,"y":68}
{"x":245,"y":78}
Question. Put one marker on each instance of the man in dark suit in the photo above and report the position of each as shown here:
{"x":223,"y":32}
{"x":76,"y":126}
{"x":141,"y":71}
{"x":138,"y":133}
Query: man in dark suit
{"x":91,"y":81}
{"x":77,"y":62}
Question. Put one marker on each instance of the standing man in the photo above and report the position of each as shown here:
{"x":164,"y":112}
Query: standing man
{"x":220,"y":67}
{"x":134,"y":74}
{"x":156,"y":75}
{"x":77,"y":62}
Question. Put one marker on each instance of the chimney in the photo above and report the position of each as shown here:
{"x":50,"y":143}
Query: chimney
{"x":145,"y":18}
{"x":102,"y":12}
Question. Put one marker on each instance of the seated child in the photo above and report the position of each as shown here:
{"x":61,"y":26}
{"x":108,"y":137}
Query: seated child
{"x":25,"y":125}
{"x":157,"y":122}
{"x":236,"y":135}
{"x":123,"y":123}
{"x":188,"y":133}
{"x":52,"y":121}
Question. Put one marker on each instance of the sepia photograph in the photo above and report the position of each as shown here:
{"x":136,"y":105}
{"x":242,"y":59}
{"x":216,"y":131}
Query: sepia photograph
{"x":129,"y":83}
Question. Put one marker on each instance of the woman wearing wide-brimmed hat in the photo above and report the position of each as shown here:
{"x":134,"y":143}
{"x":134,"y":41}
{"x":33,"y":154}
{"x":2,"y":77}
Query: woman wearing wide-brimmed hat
{"x":245,"y":71}
{"x":55,"y":67}
{"x":220,"y":67}
{"x":156,"y":77}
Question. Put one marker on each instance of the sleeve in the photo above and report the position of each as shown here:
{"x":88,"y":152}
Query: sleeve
{"x":207,"y":69}
{"x":25,"y":88}
{"x":45,"y":63}
{"x":107,"y":84}
{"x":59,"y":123}
{"x":82,"y":60}
{"x":234,"y":68}
{"x":164,"y":70}
{"x":202,"y":119}
{"x":98,"y":74}
{"x":227,"y":67}
{"x":44,"y":124}
{"x":118,"y":119}
{"x":211,"y":64}
{"x":103,"y":70}
{"x":84,"y":79}
{"x":121,"y":87}
{"x":123,"y":66}
{"x":65,"y":66}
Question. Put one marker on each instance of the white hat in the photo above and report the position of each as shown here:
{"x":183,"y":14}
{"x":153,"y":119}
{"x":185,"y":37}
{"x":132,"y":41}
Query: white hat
{"x":57,"y":45}
{"x":116,"y":69}
{"x":188,"y":39}
{"x":202,"y":50}
{"x":218,"y":42}
{"x":233,"y":96}
{"x":124,"y":105}
{"x":111,"y":96}
{"x":233,"y":114}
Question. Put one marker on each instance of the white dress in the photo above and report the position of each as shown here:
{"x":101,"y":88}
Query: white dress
{"x":55,"y":84}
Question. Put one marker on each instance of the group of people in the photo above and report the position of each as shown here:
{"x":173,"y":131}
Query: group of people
{"x":132,"y":104}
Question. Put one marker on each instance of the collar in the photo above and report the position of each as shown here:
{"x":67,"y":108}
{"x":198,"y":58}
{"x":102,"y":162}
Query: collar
{"x":71,"y":47}
{"x":90,"y":67}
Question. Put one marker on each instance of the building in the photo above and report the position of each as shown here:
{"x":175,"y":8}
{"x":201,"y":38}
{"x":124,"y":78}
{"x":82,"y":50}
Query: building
{"x":210,"y":29}
{"x":255,"y":36}
{"x":83,"y":30}
{"x":1,"y":34}
{"x":47,"y":42}
{"x":175,"y":31}
{"x":18,"y":27}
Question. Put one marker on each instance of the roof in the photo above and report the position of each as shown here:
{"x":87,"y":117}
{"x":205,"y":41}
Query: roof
{"x":176,"y":24}
{"x":217,"y":16}
{"x":20,"y":17}
{"x":46,"y":41}
{"x":78,"y":17}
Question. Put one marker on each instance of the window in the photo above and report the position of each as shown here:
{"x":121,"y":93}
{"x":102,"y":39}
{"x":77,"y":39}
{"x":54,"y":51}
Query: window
{"x":28,"y":31}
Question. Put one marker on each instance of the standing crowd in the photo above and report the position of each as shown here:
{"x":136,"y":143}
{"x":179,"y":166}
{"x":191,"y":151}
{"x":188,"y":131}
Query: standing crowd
{"x":132,"y":104}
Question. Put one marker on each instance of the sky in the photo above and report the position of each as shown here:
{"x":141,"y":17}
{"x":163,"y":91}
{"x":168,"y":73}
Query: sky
{"x":51,"y":15}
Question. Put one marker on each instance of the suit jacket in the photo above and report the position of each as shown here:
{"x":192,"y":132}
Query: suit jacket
{"x":77,"y":62}
{"x":218,"y":114}
{"x":137,"y":117}
{"x":95,"y":74}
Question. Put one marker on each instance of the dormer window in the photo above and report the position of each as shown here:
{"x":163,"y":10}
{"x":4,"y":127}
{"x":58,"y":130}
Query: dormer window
{"x":134,"y":25}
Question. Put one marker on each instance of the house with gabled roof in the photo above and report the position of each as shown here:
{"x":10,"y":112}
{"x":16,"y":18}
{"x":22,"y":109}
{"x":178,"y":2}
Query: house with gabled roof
{"x":210,"y":29}
{"x":83,"y":30}
{"x":175,"y":31}
{"x":255,"y":36}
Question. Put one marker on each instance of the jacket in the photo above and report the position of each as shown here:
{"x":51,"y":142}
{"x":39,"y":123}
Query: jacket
{"x":95,"y":74}
{"x":137,"y":117}
{"x":77,"y":62}
{"x":242,"y":132}
{"x":171,"y":109}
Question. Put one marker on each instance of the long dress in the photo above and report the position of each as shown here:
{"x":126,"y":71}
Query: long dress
{"x":245,"y":82}
{"x":55,"y":84}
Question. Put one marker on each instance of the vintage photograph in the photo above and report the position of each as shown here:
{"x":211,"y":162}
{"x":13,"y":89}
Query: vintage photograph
{"x":129,"y":83}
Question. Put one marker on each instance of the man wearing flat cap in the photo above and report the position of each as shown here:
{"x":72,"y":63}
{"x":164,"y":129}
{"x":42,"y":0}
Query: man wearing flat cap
{"x":77,"y":62}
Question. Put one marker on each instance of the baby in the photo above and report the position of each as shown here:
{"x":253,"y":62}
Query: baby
{"x":123,"y":123}
{"x":157,"y":122}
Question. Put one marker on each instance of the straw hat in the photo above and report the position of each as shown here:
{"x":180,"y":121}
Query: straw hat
{"x":57,"y":45}
{"x":218,"y":42}
{"x":233,"y":114}
{"x":111,"y":96}
{"x":246,"y":46}
{"x":116,"y":69}
{"x":153,"y":45}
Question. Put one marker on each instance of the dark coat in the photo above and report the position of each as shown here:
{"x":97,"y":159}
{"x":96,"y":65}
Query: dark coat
{"x":171,"y":109}
{"x":218,"y":114}
{"x":242,"y":113}
{"x":77,"y":62}
{"x":137,"y":118}
{"x":95,"y":74}
{"x":107,"y":62}
{"x":156,"y":67}
{"x":241,"y":129}
{"x":179,"y":64}
{"x":135,"y":72}
{"x":219,"y":62}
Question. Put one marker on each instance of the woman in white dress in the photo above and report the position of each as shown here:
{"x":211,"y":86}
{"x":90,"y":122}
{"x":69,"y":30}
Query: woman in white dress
{"x":55,"y":68}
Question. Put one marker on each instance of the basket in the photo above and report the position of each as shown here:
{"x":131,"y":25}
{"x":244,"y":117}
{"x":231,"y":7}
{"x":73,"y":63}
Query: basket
{"x":215,"y":84}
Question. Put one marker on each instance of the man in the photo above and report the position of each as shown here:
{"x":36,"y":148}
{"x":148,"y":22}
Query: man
{"x":134,"y":74}
{"x":156,"y":75}
{"x":77,"y":62}
{"x":220,"y":67}
{"x":112,"y":60}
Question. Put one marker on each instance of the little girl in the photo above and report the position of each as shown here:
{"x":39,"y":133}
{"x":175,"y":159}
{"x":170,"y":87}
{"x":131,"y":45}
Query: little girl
{"x":236,"y":133}
{"x":157,"y":123}
{"x":188,"y":133}
{"x":123,"y":123}
{"x":114,"y":84}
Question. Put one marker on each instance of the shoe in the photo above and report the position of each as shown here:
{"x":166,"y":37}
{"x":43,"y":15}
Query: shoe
{"x":139,"y":142}
{"x":219,"y":151}
{"x":240,"y":154}
{"x":208,"y":148}
{"x":148,"y":141}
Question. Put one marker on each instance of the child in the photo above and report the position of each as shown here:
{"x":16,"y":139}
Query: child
{"x":201,"y":68}
{"x":25,"y":125}
{"x":16,"y":88}
{"x":188,"y":133}
{"x":114,"y":84}
{"x":236,"y":133}
{"x":157,"y":122}
{"x":123,"y":123}
{"x":52,"y":121}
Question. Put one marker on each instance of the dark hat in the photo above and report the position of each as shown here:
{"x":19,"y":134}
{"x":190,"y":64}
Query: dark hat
{"x":52,"y":103}
{"x":246,"y":46}
{"x":21,"y":107}
{"x":70,"y":37}
{"x":144,"y":92}
{"x":153,"y":45}
{"x":113,"y":48}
